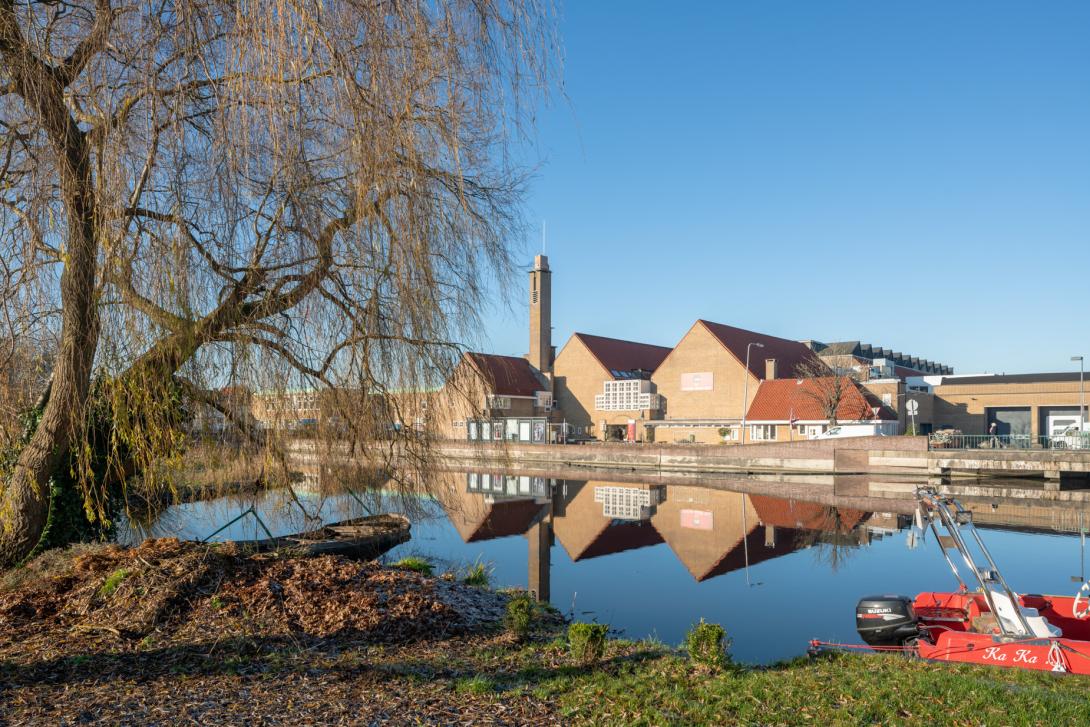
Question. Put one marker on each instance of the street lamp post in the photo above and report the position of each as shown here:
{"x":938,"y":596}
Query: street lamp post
{"x":1082,"y":394}
{"x":745,"y":390}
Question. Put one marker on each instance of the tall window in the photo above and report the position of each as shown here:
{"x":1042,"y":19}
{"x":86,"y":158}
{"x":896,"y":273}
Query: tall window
{"x":762,"y":432}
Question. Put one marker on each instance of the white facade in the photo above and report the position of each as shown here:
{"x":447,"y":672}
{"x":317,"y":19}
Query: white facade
{"x":627,"y":395}
{"x":627,"y":503}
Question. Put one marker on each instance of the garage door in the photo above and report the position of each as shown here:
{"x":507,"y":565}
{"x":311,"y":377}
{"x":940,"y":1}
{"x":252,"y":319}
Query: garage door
{"x":1011,"y":420}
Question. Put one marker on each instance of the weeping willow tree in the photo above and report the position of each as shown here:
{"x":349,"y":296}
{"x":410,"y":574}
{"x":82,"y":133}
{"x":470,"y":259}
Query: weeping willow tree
{"x":292,"y":194}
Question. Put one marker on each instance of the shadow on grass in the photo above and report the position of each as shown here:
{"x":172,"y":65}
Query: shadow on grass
{"x":272,"y":657}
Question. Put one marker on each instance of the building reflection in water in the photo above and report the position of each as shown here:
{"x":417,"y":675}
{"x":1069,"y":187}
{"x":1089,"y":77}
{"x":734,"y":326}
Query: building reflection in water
{"x":710,"y":531}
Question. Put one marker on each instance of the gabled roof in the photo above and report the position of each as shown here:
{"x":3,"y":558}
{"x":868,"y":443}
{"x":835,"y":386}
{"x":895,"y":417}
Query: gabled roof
{"x":505,"y":518}
{"x":780,"y":400}
{"x":618,"y":537}
{"x":617,"y":355}
{"x":506,"y":375}
{"x":788,"y":354}
{"x":758,"y":551}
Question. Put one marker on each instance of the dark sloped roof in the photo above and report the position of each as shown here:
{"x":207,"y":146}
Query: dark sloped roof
{"x":506,"y":375}
{"x":618,"y":355}
{"x":788,"y":354}
{"x":841,"y":348}
{"x":736,"y":558}
{"x":780,"y":399}
{"x":505,"y":518}
{"x":621,"y":536}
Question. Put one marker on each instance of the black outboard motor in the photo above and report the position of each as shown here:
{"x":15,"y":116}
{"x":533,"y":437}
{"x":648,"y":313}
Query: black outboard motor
{"x":886,"y":620}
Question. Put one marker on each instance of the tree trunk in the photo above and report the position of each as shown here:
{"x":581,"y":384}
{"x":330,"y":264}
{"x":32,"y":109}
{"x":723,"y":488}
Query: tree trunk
{"x":24,"y":503}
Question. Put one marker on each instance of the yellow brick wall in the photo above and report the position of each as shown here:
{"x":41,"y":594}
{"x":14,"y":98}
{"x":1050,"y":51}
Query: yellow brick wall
{"x":699,"y":351}
{"x":963,"y":405}
{"x":578,"y":377}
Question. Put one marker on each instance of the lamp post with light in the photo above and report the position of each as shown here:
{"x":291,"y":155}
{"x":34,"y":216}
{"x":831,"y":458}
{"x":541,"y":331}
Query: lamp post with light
{"x":745,"y":390}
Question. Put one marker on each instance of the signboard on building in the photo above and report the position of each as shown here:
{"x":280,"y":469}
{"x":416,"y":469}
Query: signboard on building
{"x":699,"y":381}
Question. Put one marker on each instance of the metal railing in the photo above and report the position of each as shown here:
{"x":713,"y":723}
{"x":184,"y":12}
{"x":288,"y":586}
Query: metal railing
{"x":948,"y":440}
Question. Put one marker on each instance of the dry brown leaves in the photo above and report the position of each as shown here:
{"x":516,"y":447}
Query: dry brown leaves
{"x":192,"y":634}
{"x":329,"y":596}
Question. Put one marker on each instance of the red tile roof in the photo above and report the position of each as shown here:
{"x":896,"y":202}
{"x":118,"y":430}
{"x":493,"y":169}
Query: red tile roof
{"x":805,"y":515}
{"x":617,"y":355}
{"x":788,"y":354}
{"x":506,"y":375}
{"x":780,"y":400}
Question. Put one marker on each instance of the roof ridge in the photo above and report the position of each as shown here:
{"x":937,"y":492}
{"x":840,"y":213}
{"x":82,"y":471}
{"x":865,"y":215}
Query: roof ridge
{"x":621,"y":340}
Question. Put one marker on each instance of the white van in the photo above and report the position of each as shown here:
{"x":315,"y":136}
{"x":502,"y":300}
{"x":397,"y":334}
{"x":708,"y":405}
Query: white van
{"x":876,"y":429}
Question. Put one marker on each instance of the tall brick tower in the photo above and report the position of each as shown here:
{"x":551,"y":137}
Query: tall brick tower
{"x":541,"y":319}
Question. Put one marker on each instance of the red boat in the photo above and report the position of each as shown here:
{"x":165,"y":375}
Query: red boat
{"x":989,"y":625}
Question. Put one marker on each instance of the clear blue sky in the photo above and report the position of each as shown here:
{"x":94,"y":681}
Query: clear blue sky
{"x":915,"y":175}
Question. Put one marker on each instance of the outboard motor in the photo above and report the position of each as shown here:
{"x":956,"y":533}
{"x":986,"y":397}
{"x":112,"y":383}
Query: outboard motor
{"x":886,"y":620}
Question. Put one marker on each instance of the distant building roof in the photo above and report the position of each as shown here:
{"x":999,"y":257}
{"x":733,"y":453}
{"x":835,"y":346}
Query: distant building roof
{"x":1044,"y":378}
{"x":866,"y":351}
{"x":621,"y":357}
{"x":789,"y":355}
{"x":780,"y":400}
{"x":506,"y":375}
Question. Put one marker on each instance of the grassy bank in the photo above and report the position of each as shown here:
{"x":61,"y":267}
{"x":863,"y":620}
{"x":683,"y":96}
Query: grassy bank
{"x":171,"y":633}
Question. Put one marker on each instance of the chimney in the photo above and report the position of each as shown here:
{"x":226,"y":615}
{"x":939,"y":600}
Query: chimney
{"x":541,"y":324}
{"x":770,"y":368}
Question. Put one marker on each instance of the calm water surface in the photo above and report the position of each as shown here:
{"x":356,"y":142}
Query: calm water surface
{"x":651,"y":560}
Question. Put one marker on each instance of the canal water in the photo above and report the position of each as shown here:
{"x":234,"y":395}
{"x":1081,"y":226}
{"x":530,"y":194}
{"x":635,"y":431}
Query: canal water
{"x":650,"y":560}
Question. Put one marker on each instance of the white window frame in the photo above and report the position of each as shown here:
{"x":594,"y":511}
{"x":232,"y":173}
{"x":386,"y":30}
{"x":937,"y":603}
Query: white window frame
{"x":759,"y":432}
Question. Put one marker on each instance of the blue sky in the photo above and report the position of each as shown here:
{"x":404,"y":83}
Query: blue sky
{"x":915,"y":175}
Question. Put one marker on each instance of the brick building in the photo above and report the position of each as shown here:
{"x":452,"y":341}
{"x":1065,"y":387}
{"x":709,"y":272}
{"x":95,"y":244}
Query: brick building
{"x":791,"y":409}
{"x":602,"y":384}
{"x":1026,"y":405}
{"x":704,"y":382}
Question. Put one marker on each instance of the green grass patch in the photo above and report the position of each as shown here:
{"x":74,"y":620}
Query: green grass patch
{"x":115,"y":579}
{"x":478,"y":575}
{"x":667,"y":689}
{"x":475,"y":685}
{"x":415,"y":564}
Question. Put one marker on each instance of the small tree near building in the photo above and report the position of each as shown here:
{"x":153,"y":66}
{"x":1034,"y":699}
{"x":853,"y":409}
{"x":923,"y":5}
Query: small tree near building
{"x":826,"y":389}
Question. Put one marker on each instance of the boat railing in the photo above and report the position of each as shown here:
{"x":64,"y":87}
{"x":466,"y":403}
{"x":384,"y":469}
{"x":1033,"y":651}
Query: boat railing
{"x":955,"y":519}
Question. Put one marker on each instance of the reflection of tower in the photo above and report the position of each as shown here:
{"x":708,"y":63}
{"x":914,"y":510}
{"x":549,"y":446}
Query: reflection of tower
{"x":539,"y":539}
{"x":541,"y":319}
